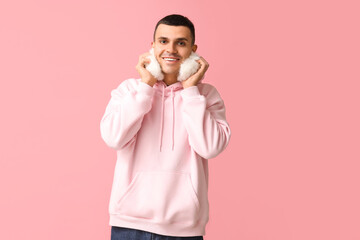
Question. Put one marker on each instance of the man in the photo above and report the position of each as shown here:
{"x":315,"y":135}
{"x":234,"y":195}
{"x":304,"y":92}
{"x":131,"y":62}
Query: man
{"x":164,"y":133}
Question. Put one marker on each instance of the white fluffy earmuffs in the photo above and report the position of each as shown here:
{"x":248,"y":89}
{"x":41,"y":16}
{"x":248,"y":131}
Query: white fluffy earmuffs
{"x":187,"y":68}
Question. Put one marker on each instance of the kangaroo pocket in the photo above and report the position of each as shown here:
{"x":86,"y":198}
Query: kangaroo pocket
{"x":161,"y":197}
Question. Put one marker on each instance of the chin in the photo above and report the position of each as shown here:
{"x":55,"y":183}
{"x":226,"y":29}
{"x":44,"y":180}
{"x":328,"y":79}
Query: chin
{"x":169,"y":71}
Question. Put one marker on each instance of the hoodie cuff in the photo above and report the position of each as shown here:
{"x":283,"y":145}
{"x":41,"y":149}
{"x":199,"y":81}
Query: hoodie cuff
{"x":145,"y":88}
{"x":190,"y":92}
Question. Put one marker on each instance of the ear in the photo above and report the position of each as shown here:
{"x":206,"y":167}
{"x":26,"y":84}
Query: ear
{"x":194,"y":47}
{"x":152,"y":44}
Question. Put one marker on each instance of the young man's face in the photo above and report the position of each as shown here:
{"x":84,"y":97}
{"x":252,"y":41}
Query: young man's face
{"x":172,"y":45}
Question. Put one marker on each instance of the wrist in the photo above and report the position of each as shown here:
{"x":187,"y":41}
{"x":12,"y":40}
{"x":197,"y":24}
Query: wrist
{"x":149,"y":82}
{"x":188,"y":85}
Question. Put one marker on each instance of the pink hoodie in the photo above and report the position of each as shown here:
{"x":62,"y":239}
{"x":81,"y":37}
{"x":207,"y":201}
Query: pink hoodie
{"x":163,"y":136}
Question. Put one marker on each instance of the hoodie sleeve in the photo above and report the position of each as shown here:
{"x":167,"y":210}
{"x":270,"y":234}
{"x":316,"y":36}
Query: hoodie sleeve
{"x":124,"y":113}
{"x":205,"y":121}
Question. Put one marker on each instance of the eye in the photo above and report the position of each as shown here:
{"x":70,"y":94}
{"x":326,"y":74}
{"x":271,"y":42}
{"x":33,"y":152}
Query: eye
{"x":182,"y":43}
{"x":162,"y":41}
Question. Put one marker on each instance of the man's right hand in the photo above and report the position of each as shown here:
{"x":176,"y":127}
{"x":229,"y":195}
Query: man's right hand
{"x":145,"y":75}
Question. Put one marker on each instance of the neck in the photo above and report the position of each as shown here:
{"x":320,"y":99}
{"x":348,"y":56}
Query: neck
{"x":170,"y":79}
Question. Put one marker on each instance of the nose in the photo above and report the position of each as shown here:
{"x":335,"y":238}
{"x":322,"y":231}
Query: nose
{"x":171,"y":48}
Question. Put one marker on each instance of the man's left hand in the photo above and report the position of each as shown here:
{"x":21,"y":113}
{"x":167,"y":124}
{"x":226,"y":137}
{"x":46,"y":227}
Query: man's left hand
{"x":196,"y":77}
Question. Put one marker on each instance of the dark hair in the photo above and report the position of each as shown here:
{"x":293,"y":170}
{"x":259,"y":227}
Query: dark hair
{"x":177,"y":20}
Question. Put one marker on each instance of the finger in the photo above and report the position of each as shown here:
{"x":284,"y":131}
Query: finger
{"x":144,"y":56}
{"x":204,"y":61}
{"x":202,"y":65}
{"x":143,"y":61}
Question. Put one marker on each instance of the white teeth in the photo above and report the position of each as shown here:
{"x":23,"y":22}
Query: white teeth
{"x":170,"y":59}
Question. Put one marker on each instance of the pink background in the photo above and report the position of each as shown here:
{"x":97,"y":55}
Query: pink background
{"x":288,"y":72}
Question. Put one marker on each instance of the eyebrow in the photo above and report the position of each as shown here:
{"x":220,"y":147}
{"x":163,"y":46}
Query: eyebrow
{"x":178,"y":39}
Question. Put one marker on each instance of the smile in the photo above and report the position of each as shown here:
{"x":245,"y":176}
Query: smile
{"x":170,"y":59}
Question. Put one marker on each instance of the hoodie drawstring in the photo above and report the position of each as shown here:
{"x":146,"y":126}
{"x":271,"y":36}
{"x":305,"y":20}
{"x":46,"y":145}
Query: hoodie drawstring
{"x":173,"y":119}
{"x":162,"y":118}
